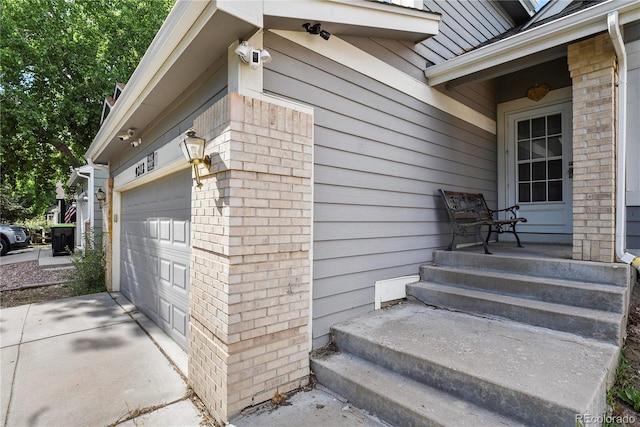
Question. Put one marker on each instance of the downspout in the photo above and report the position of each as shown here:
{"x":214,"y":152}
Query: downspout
{"x":621,"y":215}
{"x":80,"y":229}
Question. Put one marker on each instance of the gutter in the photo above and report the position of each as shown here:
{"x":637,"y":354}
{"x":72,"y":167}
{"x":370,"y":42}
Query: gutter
{"x":613,"y":26}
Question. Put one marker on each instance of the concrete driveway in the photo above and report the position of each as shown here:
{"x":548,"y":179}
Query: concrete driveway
{"x":86,"y":361}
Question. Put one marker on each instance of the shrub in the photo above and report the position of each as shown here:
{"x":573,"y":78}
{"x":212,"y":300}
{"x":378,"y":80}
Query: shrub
{"x":90,"y":268}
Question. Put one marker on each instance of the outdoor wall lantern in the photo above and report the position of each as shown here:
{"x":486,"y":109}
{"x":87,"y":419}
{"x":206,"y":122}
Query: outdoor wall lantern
{"x":101,"y":196}
{"x":193,"y":150}
{"x":251,"y":56}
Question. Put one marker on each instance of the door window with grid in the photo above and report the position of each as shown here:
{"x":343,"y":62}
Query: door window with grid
{"x":540,"y":159}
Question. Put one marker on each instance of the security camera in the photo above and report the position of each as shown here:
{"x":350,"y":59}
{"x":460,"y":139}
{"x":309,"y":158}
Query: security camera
{"x":127,"y":135}
{"x":316,"y":29}
{"x":251,"y":56}
{"x":136,"y":142}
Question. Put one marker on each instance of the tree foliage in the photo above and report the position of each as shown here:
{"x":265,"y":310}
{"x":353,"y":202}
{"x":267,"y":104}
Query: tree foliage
{"x":59,"y":59}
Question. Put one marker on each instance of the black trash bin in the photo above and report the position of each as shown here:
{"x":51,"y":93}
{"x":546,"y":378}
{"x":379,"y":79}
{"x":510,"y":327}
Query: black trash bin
{"x":63,"y":239}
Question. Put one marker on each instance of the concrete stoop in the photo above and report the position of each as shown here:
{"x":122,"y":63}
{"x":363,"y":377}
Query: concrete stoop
{"x":469,"y":348}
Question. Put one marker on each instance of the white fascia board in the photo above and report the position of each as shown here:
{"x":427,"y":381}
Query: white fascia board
{"x":358,"y":13}
{"x":555,"y":33}
{"x":248,"y":10}
{"x":182,"y":25}
{"x":352,"y":57}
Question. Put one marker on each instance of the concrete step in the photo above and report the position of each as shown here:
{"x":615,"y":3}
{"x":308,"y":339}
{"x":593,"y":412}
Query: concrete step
{"x":589,"y":323}
{"x":397,"y":399}
{"x":533,"y":375}
{"x":596,"y":296}
{"x":585,"y":271}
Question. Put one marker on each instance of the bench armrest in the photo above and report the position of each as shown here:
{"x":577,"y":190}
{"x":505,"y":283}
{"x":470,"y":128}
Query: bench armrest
{"x":511,"y":210}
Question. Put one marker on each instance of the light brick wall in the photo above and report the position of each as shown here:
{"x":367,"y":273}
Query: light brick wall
{"x":250,"y":280}
{"x":592,"y":65}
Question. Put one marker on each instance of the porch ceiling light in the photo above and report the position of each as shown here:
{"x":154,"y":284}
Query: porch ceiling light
{"x":101,"y":196}
{"x":193,"y":150}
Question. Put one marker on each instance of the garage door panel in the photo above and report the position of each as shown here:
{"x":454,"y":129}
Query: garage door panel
{"x":165,"y":310}
{"x":180,"y":276}
{"x":165,"y":270}
{"x":180,"y":232}
{"x":179,"y":321}
{"x":152,"y":226}
{"x":156,"y":251}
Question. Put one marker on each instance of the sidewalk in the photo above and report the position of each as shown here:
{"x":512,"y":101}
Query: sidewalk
{"x":85,"y":362}
{"x":42,"y":254}
{"x":96,"y":361}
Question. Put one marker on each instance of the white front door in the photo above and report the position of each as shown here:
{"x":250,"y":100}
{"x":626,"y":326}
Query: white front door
{"x":537,"y":170}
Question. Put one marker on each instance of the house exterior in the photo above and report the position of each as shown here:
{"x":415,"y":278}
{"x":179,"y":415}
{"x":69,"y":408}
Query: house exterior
{"x":325,"y":161}
{"x":86,"y":180}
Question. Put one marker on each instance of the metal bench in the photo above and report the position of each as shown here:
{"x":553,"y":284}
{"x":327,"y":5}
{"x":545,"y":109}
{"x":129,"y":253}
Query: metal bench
{"x":468,"y":213}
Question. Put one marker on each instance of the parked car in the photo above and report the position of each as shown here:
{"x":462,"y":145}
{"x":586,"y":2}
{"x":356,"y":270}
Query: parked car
{"x":13,"y":237}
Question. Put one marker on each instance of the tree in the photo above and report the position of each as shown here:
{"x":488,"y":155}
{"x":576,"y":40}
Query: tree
{"x":59,"y":59}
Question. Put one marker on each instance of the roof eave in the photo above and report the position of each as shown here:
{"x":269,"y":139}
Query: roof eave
{"x":564,"y":30}
{"x":216,"y":25}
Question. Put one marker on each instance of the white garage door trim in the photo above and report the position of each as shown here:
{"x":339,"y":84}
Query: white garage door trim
{"x":156,"y":251}
{"x":168,"y":159}
{"x":129,"y":180}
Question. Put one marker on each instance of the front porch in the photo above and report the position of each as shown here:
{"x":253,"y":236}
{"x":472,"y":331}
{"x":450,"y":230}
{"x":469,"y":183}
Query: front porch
{"x":530,"y":250}
{"x":525,"y":336}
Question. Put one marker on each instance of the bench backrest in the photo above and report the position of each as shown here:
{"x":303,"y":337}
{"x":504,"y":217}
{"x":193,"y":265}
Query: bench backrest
{"x":465,"y":207}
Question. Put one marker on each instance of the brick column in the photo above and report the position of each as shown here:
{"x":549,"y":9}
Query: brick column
{"x":592,"y":65}
{"x":250,"y":265}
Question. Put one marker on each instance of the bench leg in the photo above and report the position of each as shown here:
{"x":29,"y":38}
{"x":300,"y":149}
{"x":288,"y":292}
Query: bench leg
{"x":485,"y":243}
{"x":516,"y":234}
{"x":453,"y":236}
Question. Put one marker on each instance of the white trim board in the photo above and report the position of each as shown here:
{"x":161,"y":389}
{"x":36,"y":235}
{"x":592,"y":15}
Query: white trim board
{"x":350,"y":56}
{"x":392,"y":289}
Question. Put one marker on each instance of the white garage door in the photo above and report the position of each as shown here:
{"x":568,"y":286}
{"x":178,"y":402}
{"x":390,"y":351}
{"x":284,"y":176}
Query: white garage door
{"x":155,"y":248}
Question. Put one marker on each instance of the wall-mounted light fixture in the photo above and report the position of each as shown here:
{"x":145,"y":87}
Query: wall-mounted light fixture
{"x":101,"y":196}
{"x":316,"y":29}
{"x":254,"y":57}
{"x":193,"y":150}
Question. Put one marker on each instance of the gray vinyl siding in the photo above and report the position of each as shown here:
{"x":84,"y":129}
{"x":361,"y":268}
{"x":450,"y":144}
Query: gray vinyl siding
{"x":99,"y":181}
{"x":633,"y":227}
{"x":405,"y":56}
{"x":465,"y":24}
{"x":379,"y":158}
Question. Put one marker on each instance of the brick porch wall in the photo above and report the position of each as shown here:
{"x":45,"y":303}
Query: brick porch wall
{"x":250,"y":266}
{"x":592,"y":65}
